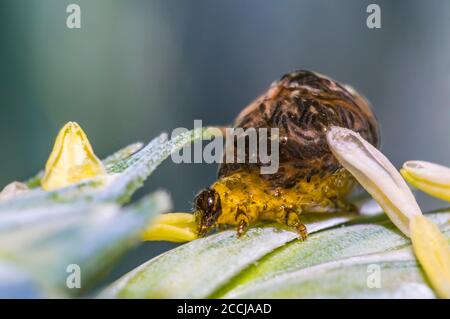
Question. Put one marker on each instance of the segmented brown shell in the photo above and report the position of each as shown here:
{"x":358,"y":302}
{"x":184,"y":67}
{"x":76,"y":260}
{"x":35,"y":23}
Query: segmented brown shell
{"x":303,"y":104}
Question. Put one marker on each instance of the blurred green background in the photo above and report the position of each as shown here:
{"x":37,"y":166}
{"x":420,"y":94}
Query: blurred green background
{"x":140,"y":67}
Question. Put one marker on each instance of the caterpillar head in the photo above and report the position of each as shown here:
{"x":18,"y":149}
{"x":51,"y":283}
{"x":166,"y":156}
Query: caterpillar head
{"x":207,"y":207}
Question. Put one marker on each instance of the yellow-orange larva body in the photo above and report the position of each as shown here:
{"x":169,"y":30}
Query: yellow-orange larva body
{"x":302,"y":105}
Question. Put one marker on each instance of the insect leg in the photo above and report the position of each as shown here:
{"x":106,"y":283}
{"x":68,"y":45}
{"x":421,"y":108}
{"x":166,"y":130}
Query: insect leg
{"x":242,"y":221}
{"x":302,"y":231}
{"x":291,"y":219}
{"x":242,"y":227}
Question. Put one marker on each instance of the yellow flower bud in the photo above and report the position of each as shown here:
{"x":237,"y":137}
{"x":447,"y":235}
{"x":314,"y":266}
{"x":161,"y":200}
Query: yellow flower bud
{"x":71,"y":160}
{"x":430,"y":178}
{"x":174,"y":227}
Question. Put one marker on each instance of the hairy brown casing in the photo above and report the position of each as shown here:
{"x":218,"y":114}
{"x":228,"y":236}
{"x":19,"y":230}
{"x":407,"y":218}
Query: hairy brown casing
{"x":303,"y":104}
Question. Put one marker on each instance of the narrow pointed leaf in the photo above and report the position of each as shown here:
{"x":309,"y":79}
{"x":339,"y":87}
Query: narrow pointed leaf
{"x":123,"y":177}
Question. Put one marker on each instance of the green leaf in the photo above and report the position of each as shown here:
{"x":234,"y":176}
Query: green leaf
{"x":336,"y":260}
{"x":42,"y":233}
{"x":125,"y":176}
{"x":92,"y":238}
{"x":182,"y":272}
